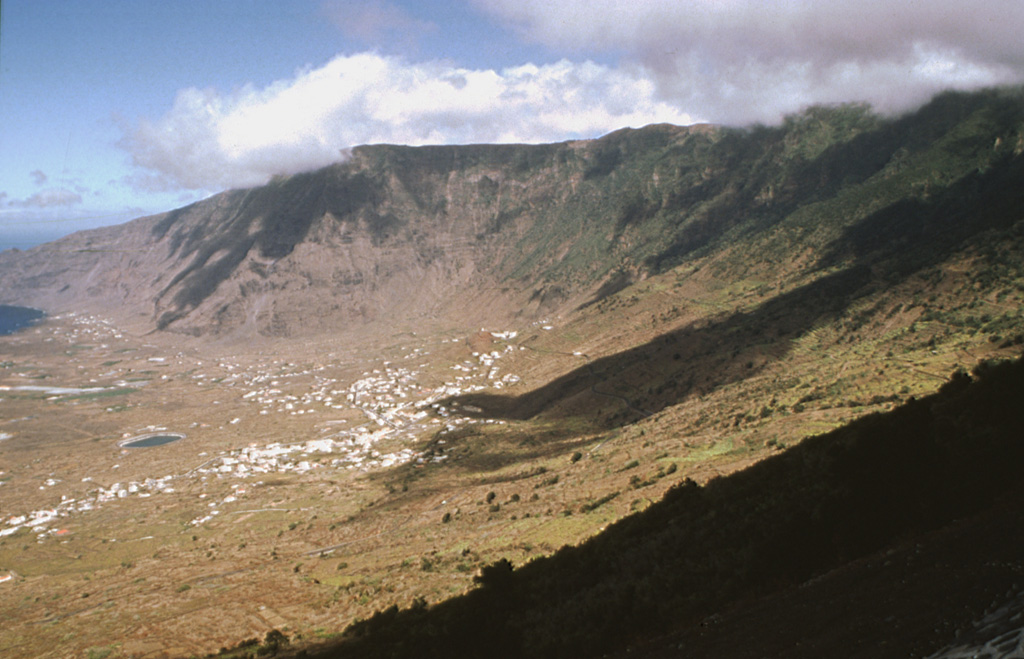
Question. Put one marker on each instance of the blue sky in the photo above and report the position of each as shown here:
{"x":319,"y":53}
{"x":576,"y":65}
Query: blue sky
{"x":113,"y":109}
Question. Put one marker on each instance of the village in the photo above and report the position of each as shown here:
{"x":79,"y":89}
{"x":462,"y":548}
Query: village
{"x":395,"y":414}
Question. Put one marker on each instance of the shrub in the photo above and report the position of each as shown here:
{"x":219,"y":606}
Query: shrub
{"x":495,"y":576}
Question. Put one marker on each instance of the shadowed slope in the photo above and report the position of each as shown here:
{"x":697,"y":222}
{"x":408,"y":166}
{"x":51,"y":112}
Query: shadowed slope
{"x":830,"y":500}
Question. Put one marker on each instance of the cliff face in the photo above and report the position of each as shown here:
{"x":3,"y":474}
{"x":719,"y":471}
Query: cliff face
{"x":394,"y":234}
{"x":481,"y":234}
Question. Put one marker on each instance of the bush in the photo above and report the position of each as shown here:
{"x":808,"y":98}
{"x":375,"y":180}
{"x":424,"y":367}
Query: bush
{"x":273,"y":642}
{"x":495,"y":576}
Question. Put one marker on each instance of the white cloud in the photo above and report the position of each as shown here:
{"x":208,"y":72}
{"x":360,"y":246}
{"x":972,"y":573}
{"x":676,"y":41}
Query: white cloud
{"x":49,"y":198}
{"x":38,"y":177}
{"x":727,"y":61}
{"x":754,"y":60}
{"x":210,"y":140}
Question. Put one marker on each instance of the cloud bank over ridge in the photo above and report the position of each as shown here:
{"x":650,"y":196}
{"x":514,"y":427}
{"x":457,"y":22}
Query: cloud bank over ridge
{"x":724,"y":61}
{"x":210,"y":140}
{"x":742,"y":61}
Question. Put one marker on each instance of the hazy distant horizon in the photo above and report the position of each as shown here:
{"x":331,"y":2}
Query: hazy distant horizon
{"x":28,"y":238}
{"x":28,"y":242}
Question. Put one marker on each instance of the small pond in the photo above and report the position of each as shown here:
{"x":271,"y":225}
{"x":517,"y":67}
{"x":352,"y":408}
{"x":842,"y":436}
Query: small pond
{"x":14,"y":318}
{"x":152,"y":439}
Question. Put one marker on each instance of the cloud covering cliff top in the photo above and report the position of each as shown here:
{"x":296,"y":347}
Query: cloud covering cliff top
{"x":124,"y":107}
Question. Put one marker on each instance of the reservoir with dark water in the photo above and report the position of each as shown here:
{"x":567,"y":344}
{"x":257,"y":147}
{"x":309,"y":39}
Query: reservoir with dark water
{"x":155,"y":439}
{"x":14,"y":318}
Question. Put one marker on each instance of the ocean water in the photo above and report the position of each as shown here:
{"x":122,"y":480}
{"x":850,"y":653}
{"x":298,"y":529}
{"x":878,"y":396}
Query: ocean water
{"x":14,"y":318}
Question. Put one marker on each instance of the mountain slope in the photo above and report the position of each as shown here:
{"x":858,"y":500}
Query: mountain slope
{"x":485,"y":233}
{"x":392,"y":234}
{"x":681,"y":304}
{"x":835,"y":498}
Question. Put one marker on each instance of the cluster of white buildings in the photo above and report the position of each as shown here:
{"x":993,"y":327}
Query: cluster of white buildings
{"x":397,"y":406}
{"x":38,"y":520}
{"x":89,"y":327}
{"x":487,"y":360}
{"x":46,"y":522}
{"x":357,"y":451}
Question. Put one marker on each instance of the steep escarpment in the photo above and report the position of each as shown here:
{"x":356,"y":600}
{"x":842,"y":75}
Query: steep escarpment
{"x":487,"y":233}
{"x":393,"y":234}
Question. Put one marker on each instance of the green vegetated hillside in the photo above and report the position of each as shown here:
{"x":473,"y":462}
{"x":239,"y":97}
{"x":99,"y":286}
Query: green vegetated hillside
{"x":839,"y":235}
{"x":719,"y":296}
{"x":832,"y":499}
{"x":841,"y":183}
